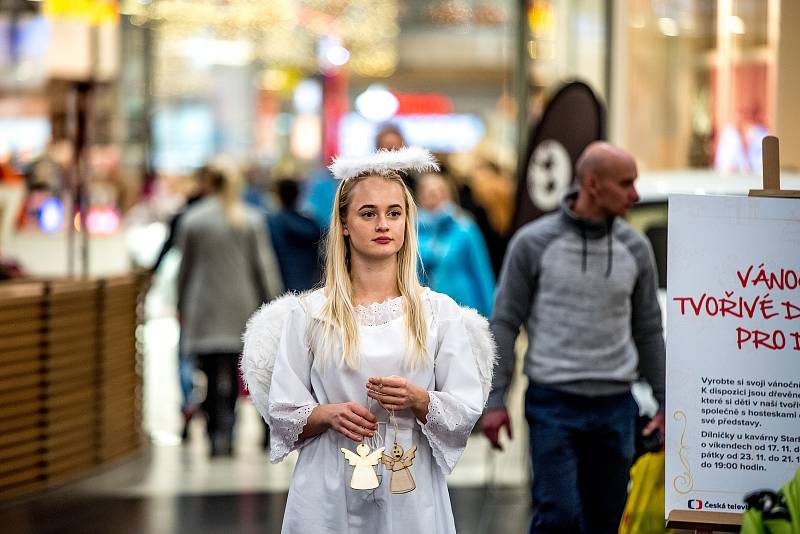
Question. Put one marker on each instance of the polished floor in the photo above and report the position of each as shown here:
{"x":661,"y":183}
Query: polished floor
{"x":477,"y":510}
{"x":175,"y":488}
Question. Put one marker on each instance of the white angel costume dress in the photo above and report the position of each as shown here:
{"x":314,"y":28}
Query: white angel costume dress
{"x":286,"y":385}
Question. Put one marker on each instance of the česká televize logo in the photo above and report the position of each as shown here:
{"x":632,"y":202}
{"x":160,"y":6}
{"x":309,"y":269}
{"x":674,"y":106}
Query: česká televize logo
{"x":695,"y":504}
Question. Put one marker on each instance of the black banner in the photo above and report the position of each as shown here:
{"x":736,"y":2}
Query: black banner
{"x":573,"y":118}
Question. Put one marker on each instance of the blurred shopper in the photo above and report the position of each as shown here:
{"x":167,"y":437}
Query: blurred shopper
{"x":200,"y":188}
{"x":319,"y":198}
{"x":256,"y":181}
{"x":584,"y":283}
{"x":227,"y":270}
{"x":493,"y":191}
{"x":466,"y":199}
{"x":186,"y":362}
{"x":10,"y":269}
{"x":296,"y":240}
{"x":47,"y":172}
{"x":390,"y":137}
{"x":739,"y":144}
{"x":12,"y":199}
{"x":454,"y":256}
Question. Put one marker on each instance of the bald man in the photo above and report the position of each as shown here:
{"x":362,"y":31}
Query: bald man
{"x":583,"y":282}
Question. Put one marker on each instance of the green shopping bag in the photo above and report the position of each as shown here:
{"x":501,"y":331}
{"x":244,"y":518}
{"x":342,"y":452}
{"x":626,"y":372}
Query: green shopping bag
{"x":644,"y":510}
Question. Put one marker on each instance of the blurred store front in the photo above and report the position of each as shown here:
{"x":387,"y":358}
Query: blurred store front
{"x":282,"y":86}
{"x":108,"y":106}
{"x":703,"y":75}
{"x":60,"y":141}
{"x":286,"y":85}
{"x":688,"y":83}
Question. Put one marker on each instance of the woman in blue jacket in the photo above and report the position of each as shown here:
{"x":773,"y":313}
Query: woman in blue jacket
{"x":454,"y":255}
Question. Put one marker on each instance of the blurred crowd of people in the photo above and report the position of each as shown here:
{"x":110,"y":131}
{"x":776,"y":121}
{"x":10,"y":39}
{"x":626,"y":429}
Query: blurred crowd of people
{"x":38,"y":192}
{"x":243,"y":242}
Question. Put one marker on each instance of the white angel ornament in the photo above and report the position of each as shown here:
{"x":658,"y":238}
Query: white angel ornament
{"x":399,"y":464}
{"x":364,"y":477}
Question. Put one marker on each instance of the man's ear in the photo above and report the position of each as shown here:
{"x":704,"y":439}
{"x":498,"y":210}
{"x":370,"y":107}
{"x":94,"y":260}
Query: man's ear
{"x":590,"y":183}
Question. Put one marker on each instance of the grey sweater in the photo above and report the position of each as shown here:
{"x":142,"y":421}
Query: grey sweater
{"x":225,"y":275}
{"x":586,"y":291}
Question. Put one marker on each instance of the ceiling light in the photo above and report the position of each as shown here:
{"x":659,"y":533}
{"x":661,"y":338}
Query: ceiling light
{"x":736,"y":25}
{"x":377,"y":103}
{"x":668,"y":26}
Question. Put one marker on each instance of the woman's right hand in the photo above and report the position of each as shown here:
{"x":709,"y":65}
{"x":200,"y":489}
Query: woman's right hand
{"x":350,"y":419}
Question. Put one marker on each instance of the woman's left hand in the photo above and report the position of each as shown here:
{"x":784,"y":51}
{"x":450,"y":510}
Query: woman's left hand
{"x":397,"y":393}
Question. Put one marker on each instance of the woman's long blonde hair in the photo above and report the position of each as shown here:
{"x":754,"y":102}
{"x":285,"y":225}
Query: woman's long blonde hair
{"x":227,"y":183}
{"x":338,"y":312}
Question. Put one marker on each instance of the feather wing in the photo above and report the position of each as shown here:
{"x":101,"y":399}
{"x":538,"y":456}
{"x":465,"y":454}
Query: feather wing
{"x":483,"y":346}
{"x":262,"y":337}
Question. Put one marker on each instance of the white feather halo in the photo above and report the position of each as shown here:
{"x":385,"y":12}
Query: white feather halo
{"x":404,"y":159}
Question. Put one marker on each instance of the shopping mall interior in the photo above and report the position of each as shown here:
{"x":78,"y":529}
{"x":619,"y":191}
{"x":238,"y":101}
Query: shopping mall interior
{"x":110,"y":109}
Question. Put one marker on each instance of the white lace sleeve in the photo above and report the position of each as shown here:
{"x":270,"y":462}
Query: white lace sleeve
{"x":456,"y":402}
{"x":447,"y":430}
{"x":286,"y":424}
{"x":290,"y":398}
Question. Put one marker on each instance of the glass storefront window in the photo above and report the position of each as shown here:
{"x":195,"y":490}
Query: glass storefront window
{"x":697,"y":82}
{"x":567,"y":40}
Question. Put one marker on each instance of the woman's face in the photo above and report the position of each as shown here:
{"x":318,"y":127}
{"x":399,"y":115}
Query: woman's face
{"x":432,"y":192}
{"x":375,"y":220}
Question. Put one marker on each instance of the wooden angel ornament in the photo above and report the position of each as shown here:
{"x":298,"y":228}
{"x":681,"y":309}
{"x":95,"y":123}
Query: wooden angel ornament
{"x":398,"y":463}
{"x":364,"y":477}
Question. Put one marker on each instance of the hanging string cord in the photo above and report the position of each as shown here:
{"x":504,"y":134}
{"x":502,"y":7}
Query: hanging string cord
{"x":393,"y":420}
{"x":375,"y":442}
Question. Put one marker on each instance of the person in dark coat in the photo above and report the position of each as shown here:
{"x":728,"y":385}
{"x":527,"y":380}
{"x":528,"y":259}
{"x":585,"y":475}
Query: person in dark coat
{"x":295,"y":238}
{"x":202,"y":185}
{"x":186,"y":364}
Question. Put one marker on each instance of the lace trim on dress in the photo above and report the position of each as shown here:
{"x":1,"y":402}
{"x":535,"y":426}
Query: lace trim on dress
{"x":286,"y":423}
{"x":446,"y":431}
{"x":379,"y":313}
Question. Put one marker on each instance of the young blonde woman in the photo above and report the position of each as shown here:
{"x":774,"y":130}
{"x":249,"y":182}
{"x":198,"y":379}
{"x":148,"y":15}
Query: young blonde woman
{"x":375,"y":379}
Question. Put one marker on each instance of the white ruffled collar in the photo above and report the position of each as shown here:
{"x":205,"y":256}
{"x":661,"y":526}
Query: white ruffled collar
{"x":379,"y":313}
{"x":375,"y":314}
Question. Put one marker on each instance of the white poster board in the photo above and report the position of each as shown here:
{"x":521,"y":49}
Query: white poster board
{"x":733,"y":349}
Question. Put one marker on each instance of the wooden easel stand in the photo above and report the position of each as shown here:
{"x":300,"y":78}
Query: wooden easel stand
{"x":704,"y":522}
{"x":771,"y":168}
